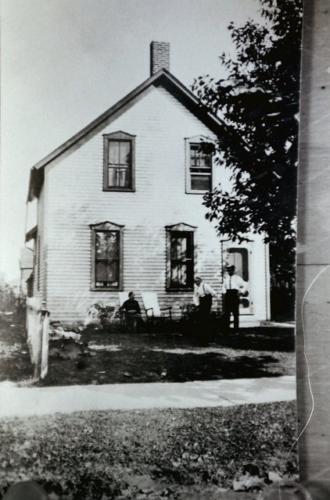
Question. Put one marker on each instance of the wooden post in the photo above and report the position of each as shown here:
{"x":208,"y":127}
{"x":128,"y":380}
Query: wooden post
{"x":313,"y":257}
{"x":44,"y":344}
{"x":37,"y":324}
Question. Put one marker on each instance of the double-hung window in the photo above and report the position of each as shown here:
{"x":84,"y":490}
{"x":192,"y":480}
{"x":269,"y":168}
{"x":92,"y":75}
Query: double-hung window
{"x":107,"y":256}
{"x":199,"y":159}
{"x":180,"y":257}
{"x":119,"y":155}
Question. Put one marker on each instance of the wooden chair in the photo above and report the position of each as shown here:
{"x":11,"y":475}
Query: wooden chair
{"x":122,"y":297}
{"x":152,"y":309}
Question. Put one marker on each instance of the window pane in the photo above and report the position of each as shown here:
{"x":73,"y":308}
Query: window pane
{"x":119,"y":177}
{"x":200,"y":165}
{"x":123,"y":177}
{"x":114,"y":152}
{"x":113,"y":273}
{"x":107,"y":274}
{"x":179,"y":275}
{"x":101,"y":272}
{"x":201,"y":182}
{"x":112,"y":177}
{"x":239,"y":258}
{"x":107,"y":245}
{"x":125,"y":153}
{"x":178,"y":247}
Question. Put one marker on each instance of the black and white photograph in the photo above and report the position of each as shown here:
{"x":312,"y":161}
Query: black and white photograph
{"x":149,"y":161}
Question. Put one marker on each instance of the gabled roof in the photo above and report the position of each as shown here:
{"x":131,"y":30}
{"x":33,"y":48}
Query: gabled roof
{"x":161,"y":78}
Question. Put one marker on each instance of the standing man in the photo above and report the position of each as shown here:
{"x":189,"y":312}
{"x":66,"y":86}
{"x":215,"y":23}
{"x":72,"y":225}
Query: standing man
{"x":203,"y":295}
{"x":233,"y":287}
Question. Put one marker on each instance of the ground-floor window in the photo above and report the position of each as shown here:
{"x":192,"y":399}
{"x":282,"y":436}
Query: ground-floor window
{"x":180,"y":257}
{"x":107,"y":256}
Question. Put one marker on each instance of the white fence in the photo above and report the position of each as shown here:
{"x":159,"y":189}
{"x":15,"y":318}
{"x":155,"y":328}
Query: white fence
{"x":37,"y":326}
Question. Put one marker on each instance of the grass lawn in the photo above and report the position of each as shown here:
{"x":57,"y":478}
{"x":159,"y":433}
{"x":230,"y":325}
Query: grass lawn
{"x":122,"y":358}
{"x":14,"y":354}
{"x":136,"y":455}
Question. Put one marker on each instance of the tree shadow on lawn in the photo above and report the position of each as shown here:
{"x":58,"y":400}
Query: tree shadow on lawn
{"x":136,"y":365}
{"x":260,"y":339}
{"x":252,"y":339}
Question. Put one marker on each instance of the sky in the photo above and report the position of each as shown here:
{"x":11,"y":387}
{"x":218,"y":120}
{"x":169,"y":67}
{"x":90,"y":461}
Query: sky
{"x":64,"y":62}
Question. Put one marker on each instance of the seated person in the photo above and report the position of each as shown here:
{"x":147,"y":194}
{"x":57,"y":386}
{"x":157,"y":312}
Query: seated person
{"x":132,"y":310}
{"x":131,"y":305}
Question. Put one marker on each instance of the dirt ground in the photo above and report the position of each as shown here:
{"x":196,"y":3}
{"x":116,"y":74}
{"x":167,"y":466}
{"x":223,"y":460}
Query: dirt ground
{"x":150,"y":455}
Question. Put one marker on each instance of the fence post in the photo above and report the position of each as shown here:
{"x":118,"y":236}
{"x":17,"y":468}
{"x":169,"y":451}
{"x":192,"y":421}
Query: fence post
{"x":37,"y":325}
{"x":44,"y":343}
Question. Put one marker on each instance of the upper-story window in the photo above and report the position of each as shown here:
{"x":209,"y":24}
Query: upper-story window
{"x":119,"y":162}
{"x":199,"y":156}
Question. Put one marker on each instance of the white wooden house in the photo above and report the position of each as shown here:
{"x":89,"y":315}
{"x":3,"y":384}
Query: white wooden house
{"x":119,"y":206}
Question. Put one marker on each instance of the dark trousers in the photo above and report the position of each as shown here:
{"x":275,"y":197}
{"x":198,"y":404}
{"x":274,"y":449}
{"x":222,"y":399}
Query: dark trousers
{"x":231,"y":306}
{"x":205,"y":305}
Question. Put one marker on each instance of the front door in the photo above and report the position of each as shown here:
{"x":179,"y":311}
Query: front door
{"x":239,"y":256}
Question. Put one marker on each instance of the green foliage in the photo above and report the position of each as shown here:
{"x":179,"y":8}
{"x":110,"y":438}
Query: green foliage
{"x":259,"y":103}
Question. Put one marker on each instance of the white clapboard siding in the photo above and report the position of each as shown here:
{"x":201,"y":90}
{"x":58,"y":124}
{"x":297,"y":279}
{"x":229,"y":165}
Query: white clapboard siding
{"x":75,"y":199}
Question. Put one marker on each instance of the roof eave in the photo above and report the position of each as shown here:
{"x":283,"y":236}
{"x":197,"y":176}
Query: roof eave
{"x":30,"y":235}
{"x":35,"y":183}
{"x":164,"y":77}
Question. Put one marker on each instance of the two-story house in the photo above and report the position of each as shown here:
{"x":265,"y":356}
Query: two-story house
{"x":119,"y":206}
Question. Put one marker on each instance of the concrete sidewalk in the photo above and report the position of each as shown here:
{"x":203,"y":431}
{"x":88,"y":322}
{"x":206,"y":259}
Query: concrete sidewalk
{"x":26,"y":401}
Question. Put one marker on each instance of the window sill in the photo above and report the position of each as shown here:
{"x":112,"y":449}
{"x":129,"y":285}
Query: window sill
{"x":93,"y":289}
{"x":119,"y":189}
{"x":193,"y":191}
{"x":184,"y":290}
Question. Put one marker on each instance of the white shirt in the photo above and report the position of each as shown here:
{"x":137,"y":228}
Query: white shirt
{"x":202,"y":290}
{"x":233,"y":282}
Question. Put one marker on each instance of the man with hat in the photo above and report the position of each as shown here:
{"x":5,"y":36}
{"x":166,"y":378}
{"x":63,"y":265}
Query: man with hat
{"x":233,"y":286}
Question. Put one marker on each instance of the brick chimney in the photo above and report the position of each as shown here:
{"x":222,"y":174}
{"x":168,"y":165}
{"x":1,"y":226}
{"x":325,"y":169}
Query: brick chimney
{"x":159,"y":56}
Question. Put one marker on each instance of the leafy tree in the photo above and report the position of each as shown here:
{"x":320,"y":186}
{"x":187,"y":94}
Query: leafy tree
{"x":258,"y":102}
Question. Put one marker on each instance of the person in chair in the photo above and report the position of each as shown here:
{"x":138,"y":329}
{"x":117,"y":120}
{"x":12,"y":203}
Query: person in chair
{"x":132,"y":311}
